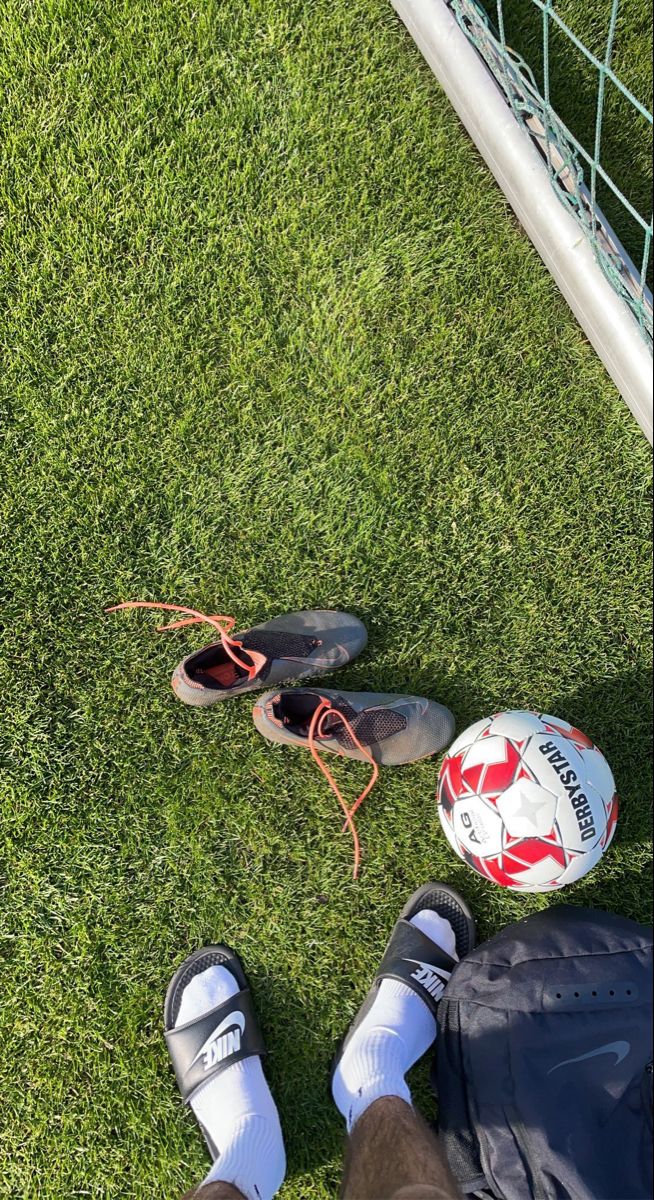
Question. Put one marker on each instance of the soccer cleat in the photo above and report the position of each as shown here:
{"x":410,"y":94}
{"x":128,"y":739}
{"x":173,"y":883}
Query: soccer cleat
{"x":295,"y":646}
{"x":380,"y":728}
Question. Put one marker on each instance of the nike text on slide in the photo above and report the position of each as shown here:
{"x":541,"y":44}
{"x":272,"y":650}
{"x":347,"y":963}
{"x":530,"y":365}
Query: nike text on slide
{"x":433,"y":979}
{"x":620,"y":1049}
{"x":225,"y":1040}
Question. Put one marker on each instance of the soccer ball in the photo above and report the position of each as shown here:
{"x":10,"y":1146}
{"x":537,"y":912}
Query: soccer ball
{"x":527,"y":800}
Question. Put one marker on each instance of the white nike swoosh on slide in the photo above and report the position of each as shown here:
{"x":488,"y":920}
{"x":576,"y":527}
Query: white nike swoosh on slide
{"x":228,"y":1022}
{"x":620,"y":1049}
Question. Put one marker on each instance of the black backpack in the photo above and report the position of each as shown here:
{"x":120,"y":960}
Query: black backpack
{"x":544,"y":1061}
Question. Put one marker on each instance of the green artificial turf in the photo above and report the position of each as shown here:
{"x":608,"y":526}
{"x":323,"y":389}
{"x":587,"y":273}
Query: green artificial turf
{"x":271,"y":339}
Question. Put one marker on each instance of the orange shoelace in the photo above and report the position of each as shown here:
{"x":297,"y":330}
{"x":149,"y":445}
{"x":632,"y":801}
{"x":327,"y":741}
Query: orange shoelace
{"x":316,"y":730}
{"x":223,"y":624}
{"x":232,"y":647}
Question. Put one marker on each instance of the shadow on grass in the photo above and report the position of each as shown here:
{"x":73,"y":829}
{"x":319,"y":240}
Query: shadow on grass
{"x":298,"y":1068}
{"x":616,"y":712}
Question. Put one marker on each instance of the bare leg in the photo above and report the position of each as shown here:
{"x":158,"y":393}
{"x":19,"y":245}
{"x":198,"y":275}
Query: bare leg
{"x":393,"y":1155}
{"x":214,"y":1191}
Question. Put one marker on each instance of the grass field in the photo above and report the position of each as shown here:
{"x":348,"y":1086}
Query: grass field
{"x":272,"y":340}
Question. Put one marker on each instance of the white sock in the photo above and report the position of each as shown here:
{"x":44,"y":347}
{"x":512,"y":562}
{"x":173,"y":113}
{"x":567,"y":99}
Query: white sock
{"x":394,"y":1034}
{"x":236,"y":1107}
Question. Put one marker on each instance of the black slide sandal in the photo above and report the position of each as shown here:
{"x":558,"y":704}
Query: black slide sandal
{"x":205,"y":1047}
{"x":412,"y":957}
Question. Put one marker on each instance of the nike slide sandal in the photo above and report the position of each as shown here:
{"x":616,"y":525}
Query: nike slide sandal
{"x":203,"y":1048}
{"x":412,"y":957}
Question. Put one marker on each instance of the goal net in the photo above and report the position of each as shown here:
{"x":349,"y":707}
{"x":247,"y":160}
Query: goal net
{"x":570,"y":144}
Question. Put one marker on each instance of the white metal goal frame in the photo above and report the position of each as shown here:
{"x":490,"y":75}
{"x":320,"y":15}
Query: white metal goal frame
{"x":548,"y":177}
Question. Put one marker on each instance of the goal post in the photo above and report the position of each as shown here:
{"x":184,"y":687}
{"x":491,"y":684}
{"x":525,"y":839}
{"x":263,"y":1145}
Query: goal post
{"x":539,"y":170}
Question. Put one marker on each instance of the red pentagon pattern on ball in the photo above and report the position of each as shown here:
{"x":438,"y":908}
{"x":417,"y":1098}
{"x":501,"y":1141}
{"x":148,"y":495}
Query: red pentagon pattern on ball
{"x":481,"y":779}
{"x":613,"y":812}
{"x":581,"y":740}
{"x":519,"y":856}
{"x":489,"y":761}
{"x":499,"y":776}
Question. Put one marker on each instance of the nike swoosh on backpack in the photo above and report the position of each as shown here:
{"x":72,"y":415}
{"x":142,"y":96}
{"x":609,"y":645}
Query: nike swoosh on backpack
{"x":620,"y":1049}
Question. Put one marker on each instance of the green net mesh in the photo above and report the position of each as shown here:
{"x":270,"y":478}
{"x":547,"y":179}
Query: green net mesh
{"x":576,"y":161}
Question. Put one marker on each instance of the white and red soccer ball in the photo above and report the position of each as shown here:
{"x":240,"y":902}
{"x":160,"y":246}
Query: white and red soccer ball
{"x":527,"y":800}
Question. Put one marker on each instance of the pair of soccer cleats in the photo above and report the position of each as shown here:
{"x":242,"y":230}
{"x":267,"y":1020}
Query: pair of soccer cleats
{"x":380,"y":728}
